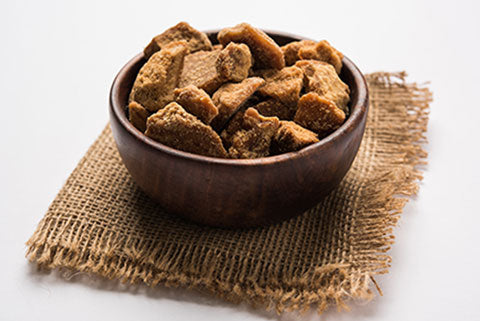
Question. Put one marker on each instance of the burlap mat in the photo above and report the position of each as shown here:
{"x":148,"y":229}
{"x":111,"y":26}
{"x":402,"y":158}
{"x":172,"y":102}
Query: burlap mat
{"x":100,"y":222}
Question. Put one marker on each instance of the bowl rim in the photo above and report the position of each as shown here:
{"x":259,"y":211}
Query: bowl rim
{"x":359,"y":108}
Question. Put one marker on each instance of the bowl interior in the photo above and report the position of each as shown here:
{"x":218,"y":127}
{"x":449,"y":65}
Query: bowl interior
{"x":349,"y":74}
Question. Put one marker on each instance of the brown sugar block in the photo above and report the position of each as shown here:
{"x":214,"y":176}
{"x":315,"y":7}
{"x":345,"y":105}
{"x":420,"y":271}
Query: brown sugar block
{"x":318,"y":114}
{"x":291,"y":137}
{"x":195,"y":39}
{"x":234,"y":62}
{"x":284,"y":85}
{"x":138,"y":116}
{"x":159,"y":76}
{"x":197,"y":102}
{"x":322,"y":51}
{"x":290,"y":50}
{"x":231,"y":96}
{"x":309,"y":49}
{"x":255,"y":139}
{"x":199,"y":69}
{"x":266,"y":53}
{"x":176,"y":128}
{"x":321,"y":78}
{"x":273,"y":107}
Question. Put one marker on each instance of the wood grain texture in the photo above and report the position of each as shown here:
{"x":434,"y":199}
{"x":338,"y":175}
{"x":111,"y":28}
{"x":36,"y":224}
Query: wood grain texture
{"x":238,"y":193}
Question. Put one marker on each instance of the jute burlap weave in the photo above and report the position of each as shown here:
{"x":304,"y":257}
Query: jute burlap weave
{"x":101,"y":223}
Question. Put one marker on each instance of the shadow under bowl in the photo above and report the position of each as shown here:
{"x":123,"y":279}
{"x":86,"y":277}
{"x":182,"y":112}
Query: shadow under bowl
{"x":238,"y":192}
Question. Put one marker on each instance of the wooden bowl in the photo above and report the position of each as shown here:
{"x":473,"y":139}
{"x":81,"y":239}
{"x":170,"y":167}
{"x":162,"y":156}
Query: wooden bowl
{"x":231,"y":192}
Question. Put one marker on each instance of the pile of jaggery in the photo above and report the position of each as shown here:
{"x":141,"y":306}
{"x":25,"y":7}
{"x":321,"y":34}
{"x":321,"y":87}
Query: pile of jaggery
{"x":245,"y":97}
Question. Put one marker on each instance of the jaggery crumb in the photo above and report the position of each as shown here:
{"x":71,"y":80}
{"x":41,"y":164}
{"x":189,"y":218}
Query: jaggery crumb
{"x":273,"y":107}
{"x":231,"y":96}
{"x":195,"y":39}
{"x":266,"y":53}
{"x":156,"y":80}
{"x":321,"y":78}
{"x":284,"y":85}
{"x":291,"y":137}
{"x":234,"y":62}
{"x":308,"y":49}
{"x":197,"y":102}
{"x":254,"y":140}
{"x":176,"y":128}
{"x":318,"y":114}
{"x":200,"y":70}
{"x":138,"y":116}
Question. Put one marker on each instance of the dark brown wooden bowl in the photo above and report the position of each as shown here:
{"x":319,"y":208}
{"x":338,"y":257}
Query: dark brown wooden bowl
{"x":231,"y":192}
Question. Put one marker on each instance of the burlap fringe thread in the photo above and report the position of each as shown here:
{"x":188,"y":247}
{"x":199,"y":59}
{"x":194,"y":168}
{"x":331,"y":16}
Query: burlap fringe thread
{"x":323,"y":286}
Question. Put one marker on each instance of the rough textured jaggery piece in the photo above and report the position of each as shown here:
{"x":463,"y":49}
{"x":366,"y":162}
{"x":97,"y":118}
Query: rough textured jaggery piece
{"x":266,"y":53}
{"x":231,"y":96}
{"x":322,"y":51}
{"x":309,"y":49}
{"x":284,"y":85}
{"x":208,"y":70}
{"x":234,"y":125}
{"x":156,"y":80}
{"x":254,"y":141}
{"x":199,"y":69}
{"x":318,"y":114}
{"x":236,"y":121}
{"x":138,"y":116}
{"x":272,"y":107}
{"x":290,"y":50}
{"x":291,"y":137}
{"x":195,"y":39}
{"x":234,"y":62}
{"x":197,"y":102}
{"x":176,"y":128}
{"x":321,"y":78}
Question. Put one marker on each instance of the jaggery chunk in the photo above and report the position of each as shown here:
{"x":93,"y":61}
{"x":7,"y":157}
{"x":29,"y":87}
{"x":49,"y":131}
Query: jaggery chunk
{"x":138,"y":116}
{"x":231,"y":96}
{"x":266,"y":53}
{"x":322,"y":51}
{"x":234,"y":125}
{"x":290,"y":50}
{"x":176,"y":128}
{"x":308,"y":49}
{"x":200,"y":70}
{"x":291,"y":137}
{"x":254,"y":141}
{"x":318,"y":114}
{"x":156,"y":80}
{"x":197,"y":102}
{"x":321,"y":78}
{"x":195,"y":39}
{"x":234,"y":62}
{"x":283,"y":85}
{"x":208,"y":70}
{"x":273,"y":107}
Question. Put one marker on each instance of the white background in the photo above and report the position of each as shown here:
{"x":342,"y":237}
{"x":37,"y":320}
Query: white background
{"x":58,"y":59}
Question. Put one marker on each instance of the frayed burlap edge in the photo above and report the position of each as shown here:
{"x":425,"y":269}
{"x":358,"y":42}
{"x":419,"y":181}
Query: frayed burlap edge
{"x":333,"y":284}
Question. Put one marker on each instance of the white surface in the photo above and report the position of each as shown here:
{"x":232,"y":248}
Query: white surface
{"x":58,"y":60}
